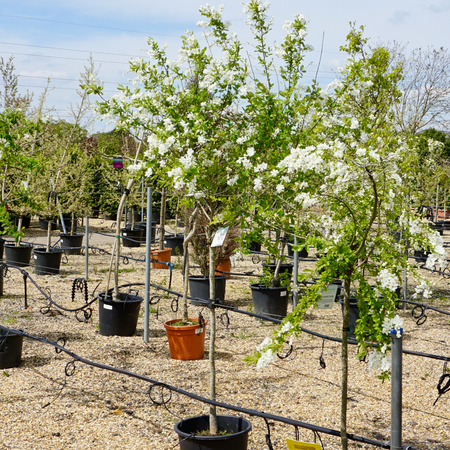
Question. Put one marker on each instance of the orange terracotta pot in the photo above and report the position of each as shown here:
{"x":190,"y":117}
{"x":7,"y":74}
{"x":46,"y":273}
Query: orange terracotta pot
{"x":225,"y":266}
{"x":185,"y":342}
{"x":161,"y":255}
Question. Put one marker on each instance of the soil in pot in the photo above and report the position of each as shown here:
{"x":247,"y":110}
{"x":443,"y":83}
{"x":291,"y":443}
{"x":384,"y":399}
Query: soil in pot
{"x":71,"y":243}
{"x":186,"y":342}
{"x":270,"y":301}
{"x":118,"y":317}
{"x":47,"y":263}
{"x":163,"y":256}
{"x":131,"y":238}
{"x":18,"y":255}
{"x":199,"y":288}
{"x":191,"y":433}
{"x":10,"y":349}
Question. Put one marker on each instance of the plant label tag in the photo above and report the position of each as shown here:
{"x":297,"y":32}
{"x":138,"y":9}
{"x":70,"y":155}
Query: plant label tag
{"x":219,"y":237}
{"x":296,"y":445}
{"x":283,"y":293}
{"x":198,"y":330}
{"x":34,"y":256}
{"x":106,"y":306}
{"x":25,"y":184}
{"x":124,"y":234}
{"x":328,"y":297}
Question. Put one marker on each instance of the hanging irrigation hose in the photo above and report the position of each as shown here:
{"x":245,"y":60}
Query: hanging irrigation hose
{"x":70,"y":369}
{"x":85,"y":307}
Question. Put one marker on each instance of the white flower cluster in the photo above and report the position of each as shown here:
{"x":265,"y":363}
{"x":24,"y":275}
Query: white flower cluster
{"x":379,"y":360}
{"x":422,"y":289}
{"x":267,"y":355}
{"x":394,"y":324}
{"x":387,"y":280}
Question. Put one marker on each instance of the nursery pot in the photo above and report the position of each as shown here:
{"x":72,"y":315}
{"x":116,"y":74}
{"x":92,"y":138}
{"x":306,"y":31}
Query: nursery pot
{"x":186,"y":342}
{"x":118,"y":317}
{"x":270,"y":301}
{"x":131,"y":238}
{"x":224,"y":266}
{"x":161,"y":255}
{"x":2,"y":243}
{"x":143,"y":227}
{"x":284,"y":267}
{"x":71,"y":243}
{"x":26,"y":221}
{"x":255,"y":246}
{"x":47,"y":263}
{"x":354,"y":315}
{"x":43,"y":224}
{"x":10,"y":349}
{"x":199,"y":288}
{"x":18,"y":256}
{"x":67,"y":224}
{"x":303,"y":253}
{"x":175,"y":243}
{"x":188,"y":430}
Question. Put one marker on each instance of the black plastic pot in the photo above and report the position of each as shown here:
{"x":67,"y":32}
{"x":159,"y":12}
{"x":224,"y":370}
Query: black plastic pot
{"x":143,"y":227}
{"x":18,"y":256}
{"x":188,"y":430}
{"x":270,"y":301}
{"x":199,"y":288}
{"x":131,"y":238}
{"x":255,"y":246}
{"x":26,"y":221}
{"x":43,"y":224}
{"x":353,"y":317}
{"x":303,"y":253}
{"x":284,"y":268}
{"x":71,"y":243}
{"x":67,"y":224}
{"x":10,"y":349}
{"x":118,"y":317}
{"x":47,"y":263}
{"x":175,"y":243}
{"x":2,"y":243}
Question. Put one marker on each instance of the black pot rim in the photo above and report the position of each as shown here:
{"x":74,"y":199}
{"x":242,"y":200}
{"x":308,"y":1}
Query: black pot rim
{"x":130,"y":298}
{"x":264,"y":286}
{"x":213,"y":438}
{"x":203,"y":277}
{"x":13,"y":244}
{"x":68,"y":234}
{"x":42,"y":250}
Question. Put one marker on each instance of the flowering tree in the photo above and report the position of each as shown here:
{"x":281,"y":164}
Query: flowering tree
{"x":350,"y":184}
{"x":189,"y":110}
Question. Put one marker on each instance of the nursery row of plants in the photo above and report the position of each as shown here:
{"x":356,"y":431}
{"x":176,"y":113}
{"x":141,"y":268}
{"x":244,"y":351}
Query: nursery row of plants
{"x":243,"y":147}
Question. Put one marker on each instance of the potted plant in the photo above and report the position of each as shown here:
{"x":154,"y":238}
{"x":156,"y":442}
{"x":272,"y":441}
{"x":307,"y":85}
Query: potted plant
{"x":193,"y":139}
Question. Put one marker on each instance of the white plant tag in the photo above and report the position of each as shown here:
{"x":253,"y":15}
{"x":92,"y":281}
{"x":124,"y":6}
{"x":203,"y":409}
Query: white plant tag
{"x":219,"y":237}
{"x":106,"y":306}
{"x":124,"y":234}
{"x":198,"y":330}
{"x":328,"y":297}
{"x":283,"y":293}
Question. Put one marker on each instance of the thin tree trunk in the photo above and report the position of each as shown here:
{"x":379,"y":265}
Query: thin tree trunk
{"x":344,"y":361}
{"x":19,"y":227}
{"x":213,"y":429}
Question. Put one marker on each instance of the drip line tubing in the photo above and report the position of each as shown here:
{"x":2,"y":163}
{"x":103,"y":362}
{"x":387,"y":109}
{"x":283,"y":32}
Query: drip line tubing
{"x":250,"y":412}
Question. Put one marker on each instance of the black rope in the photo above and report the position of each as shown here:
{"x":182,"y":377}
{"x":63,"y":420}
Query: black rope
{"x":441,"y":387}
{"x":268,"y":440}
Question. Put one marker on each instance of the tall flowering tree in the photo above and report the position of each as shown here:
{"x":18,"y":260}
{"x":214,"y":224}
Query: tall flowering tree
{"x":350,"y":184}
{"x":189,"y":109}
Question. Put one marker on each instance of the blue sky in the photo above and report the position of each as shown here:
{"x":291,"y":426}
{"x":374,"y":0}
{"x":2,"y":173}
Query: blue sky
{"x":50,"y":38}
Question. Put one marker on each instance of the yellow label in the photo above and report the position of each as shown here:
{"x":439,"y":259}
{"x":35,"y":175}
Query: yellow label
{"x":295,"y":445}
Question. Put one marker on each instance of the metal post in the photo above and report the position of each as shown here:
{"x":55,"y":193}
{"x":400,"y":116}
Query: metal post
{"x":396,"y":390}
{"x":148,"y":249}
{"x":295,"y":290}
{"x":142,"y":199}
{"x":86,"y":249}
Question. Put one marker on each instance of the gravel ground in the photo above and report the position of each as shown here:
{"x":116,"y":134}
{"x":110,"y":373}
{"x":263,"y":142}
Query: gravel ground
{"x":42,"y":407}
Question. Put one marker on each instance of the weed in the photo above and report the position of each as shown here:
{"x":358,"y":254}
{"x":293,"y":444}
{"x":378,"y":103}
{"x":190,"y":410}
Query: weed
{"x":10,"y":319}
{"x":5,"y":373}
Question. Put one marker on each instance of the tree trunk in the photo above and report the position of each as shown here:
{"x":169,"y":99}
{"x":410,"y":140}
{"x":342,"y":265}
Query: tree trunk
{"x":344,"y":361}
{"x":213,"y":429}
